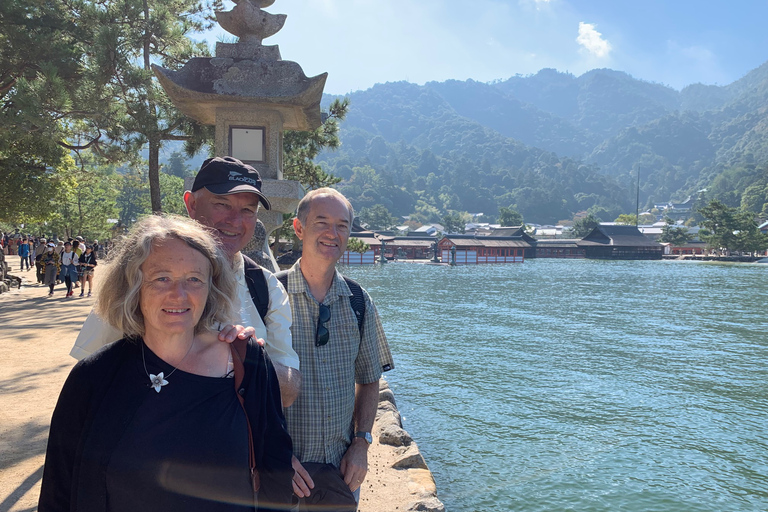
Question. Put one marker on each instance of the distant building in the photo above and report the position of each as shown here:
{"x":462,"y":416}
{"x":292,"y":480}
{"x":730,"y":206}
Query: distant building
{"x":409,"y":247}
{"x":691,"y":248}
{"x":620,"y":243}
{"x":559,"y":248}
{"x":367,"y":258}
{"x":475,"y":250}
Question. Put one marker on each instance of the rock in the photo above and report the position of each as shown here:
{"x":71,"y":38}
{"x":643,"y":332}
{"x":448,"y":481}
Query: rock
{"x":422,"y":483}
{"x":412,"y":458}
{"x":427,"y":505}
{"x":388,"y":413}
{"x":394,"y":435}
{"x":386,"y":395}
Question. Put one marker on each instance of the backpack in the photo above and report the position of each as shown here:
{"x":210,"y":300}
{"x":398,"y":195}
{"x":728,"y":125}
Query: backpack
{"x":257,"y":286}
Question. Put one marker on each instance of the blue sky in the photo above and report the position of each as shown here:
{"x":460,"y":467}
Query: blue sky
{"x":674,"y":42}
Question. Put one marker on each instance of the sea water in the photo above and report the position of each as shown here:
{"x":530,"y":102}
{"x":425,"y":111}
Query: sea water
{"x":583,"y":385}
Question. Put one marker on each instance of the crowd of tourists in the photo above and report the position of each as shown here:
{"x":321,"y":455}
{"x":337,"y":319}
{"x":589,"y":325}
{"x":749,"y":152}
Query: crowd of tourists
{"x":72,"y":261}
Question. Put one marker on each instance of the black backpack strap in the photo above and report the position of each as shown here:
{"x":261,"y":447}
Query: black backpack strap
{"x":257,"y":286}
{"x":282,"y":276}
{"x":357,"y":301}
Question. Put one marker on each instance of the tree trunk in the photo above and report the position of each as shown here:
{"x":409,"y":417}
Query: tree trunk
{"x":154,"y":175}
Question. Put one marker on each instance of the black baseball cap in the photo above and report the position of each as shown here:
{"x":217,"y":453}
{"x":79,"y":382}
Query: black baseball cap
{"x":228,"y":175}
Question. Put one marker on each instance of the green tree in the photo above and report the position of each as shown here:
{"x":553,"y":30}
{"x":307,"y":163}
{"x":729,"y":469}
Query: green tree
{"x":748,"y":237}
{"x":510,"y":217}
{"x":40,"y":76}
{"x":675,"y":235}
{"x":177,"y":166}
{"x":628,"y":219}
{"x":454,"y":222}
{"x":377,"y":217}
{"x":90,"y":201}
{"x":301,"y":148}
{"x":719,"y":225}
{"x":357,"y":245}
{"x":128,"y":37}
{"x":584,"y":226}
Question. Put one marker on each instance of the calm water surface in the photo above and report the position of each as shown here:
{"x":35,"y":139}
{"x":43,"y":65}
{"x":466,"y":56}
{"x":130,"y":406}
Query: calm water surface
{"x":583,"y":385}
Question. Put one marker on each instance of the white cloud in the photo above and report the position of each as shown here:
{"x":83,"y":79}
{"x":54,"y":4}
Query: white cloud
{"x":592,"y":40}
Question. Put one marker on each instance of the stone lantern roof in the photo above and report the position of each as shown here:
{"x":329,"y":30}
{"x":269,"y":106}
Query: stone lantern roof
{"x":246,"y":72}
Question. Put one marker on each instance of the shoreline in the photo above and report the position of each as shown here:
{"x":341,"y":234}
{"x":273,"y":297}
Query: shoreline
{"x":398,"y":476}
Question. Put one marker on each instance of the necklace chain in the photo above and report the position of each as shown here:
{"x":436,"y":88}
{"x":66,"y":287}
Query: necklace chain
{"x":159,"y":380}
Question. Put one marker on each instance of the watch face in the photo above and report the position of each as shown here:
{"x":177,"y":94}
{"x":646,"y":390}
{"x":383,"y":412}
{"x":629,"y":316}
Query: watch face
{"x":365,"y":435}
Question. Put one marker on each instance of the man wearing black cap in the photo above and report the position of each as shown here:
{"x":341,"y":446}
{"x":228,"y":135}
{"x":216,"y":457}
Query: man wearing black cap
{"x":225,"y":196}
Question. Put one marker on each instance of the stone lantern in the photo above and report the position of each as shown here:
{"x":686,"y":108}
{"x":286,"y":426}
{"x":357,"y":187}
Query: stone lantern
{"x":251,"y":95}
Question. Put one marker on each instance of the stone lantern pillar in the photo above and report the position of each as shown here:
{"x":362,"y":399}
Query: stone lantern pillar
{"x":251,"y":95}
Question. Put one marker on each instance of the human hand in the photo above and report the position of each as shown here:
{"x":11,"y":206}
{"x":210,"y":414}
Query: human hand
{"x":302,"y":482}
{"x":229,"y":332}
{"x":354,"y":464}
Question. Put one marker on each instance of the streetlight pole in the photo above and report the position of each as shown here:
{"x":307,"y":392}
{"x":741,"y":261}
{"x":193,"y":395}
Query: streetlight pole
{"x":637,"y":200}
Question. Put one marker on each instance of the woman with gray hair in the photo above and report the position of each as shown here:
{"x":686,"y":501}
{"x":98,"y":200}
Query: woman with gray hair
{"x":152,"y":422}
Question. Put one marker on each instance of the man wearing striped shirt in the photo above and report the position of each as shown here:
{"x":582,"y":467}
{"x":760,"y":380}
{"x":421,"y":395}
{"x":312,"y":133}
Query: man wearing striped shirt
{"x":331,"y":421}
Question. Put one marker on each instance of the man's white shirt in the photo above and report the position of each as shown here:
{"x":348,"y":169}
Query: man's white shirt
{"x":96,"y":333}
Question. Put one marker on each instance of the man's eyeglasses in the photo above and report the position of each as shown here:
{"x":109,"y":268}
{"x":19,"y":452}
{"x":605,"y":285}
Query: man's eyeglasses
{"x":322,"y":331}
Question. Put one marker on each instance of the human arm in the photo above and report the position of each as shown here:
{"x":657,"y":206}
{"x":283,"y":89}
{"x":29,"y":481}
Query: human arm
{"x":94,"y":334}
{"x":279,"y":342}
{"x":290,"y":383}
{"x":354,"y":464}
{"x":302,"y":482}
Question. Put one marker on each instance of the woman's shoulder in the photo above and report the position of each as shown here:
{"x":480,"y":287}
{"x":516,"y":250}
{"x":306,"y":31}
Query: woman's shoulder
{"x":106,"y":358}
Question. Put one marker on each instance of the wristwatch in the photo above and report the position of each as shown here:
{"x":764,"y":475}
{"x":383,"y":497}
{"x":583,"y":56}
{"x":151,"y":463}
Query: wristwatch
{"x":365,"y":435}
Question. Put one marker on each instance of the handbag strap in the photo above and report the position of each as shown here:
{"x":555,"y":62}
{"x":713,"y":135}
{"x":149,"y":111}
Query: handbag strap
{"x":239,"y":350}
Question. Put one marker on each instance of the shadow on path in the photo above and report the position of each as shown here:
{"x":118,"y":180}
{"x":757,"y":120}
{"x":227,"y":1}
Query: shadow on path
{"x":22,"y":489}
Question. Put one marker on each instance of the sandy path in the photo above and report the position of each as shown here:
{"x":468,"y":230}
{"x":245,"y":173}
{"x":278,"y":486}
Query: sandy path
{"x":36,"y":334}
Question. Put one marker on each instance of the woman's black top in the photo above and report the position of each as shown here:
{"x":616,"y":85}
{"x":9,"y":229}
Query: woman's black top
{"x":185,"y":449}
{"x":89,"y":259}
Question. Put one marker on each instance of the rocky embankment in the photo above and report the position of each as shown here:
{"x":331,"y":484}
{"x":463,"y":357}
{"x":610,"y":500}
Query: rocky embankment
{"x":398,"y":476}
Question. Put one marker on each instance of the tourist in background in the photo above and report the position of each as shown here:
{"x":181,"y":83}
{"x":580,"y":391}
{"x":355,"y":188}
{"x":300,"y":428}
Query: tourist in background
{"x":68,"y":268}
{"x":50,"y":261}
{"x":77,"y":248}
{"x":98,"y":249}
{"x":87,"y":265}
{"x":23,"y":254}
{"x":39,"y":265}
{"x":30,"y":256}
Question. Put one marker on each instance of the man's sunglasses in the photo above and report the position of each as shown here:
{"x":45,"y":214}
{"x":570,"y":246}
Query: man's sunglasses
{"x":322,"y":331}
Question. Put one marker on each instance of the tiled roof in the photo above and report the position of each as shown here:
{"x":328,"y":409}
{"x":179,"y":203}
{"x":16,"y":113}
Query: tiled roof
{"x":617,"y":236}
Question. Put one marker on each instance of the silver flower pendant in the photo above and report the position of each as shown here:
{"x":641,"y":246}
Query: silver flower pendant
{"x":157,"y":381}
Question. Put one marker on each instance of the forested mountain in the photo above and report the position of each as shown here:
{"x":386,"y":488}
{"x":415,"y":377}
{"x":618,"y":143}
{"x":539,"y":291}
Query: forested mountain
{"x":552,"y":144}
